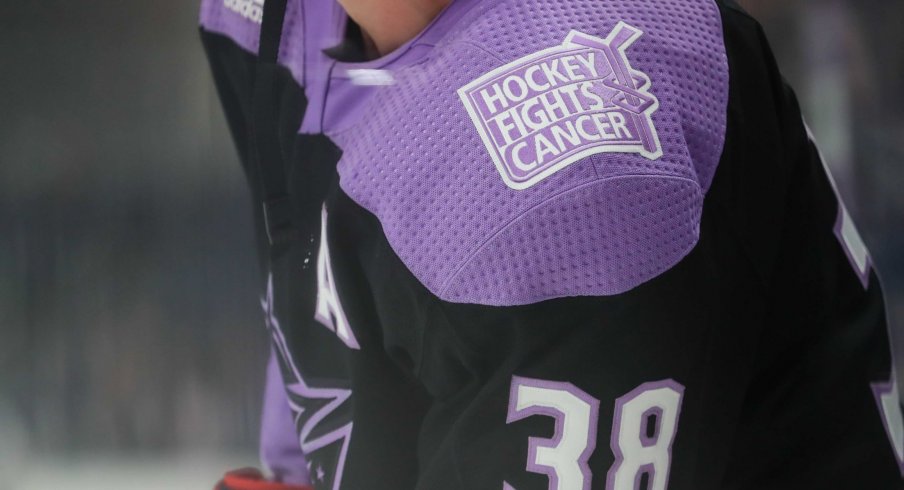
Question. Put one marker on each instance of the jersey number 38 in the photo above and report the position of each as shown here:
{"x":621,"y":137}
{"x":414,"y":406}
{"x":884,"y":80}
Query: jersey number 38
{"x":643,"y":430}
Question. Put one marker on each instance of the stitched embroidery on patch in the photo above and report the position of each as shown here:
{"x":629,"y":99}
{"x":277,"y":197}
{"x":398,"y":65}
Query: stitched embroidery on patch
{"x":545,"y":111}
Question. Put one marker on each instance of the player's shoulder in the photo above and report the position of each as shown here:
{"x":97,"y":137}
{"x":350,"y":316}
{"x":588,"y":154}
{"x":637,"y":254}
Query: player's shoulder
{"x":238,"y":20}
{"x":547,"y":148}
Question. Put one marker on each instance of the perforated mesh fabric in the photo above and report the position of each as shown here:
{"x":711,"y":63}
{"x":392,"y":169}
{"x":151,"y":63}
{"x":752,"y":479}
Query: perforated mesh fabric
{"x":600,"y":226}
{"x":602,"y":238}
{"x":682,"y":51}
{"x":418,"y":164}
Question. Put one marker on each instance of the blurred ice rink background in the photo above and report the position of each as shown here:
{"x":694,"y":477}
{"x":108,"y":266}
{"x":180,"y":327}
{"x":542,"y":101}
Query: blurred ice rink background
{"x":131,"y":343}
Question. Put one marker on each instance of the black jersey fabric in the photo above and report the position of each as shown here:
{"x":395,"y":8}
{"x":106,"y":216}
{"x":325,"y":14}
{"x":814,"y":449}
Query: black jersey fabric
{"x":758,"y":361}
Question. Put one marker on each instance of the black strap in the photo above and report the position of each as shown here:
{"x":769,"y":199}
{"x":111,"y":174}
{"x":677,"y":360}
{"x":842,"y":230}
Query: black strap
{"x":271,"y":30}
{"x":265,"y":128}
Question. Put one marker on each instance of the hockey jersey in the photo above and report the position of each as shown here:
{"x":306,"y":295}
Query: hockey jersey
{"x":551,"y":244}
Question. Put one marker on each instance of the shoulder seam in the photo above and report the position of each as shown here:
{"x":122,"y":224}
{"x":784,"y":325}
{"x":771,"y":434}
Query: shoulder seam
{"x":477,"y":46}
{"x":447,"y":284}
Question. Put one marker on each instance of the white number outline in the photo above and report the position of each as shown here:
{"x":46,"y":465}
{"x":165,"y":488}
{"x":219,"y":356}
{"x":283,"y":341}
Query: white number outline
{"x":559,"y":414}
{"x":556,"y":407}
{"x":617,"y":421}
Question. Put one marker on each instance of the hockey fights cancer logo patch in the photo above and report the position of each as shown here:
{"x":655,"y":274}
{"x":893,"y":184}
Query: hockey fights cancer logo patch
{"x":545,"y":111}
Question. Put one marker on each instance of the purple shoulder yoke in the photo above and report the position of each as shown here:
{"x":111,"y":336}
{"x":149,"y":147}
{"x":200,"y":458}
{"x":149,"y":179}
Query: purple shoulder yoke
{"x":546,"y":149}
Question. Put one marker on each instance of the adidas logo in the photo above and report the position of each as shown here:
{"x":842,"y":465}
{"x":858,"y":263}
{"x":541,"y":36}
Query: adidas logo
{"x":252,"y":10}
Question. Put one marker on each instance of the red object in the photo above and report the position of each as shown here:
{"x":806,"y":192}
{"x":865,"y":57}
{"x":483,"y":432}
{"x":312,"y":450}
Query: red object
{"x":252,"y":479}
